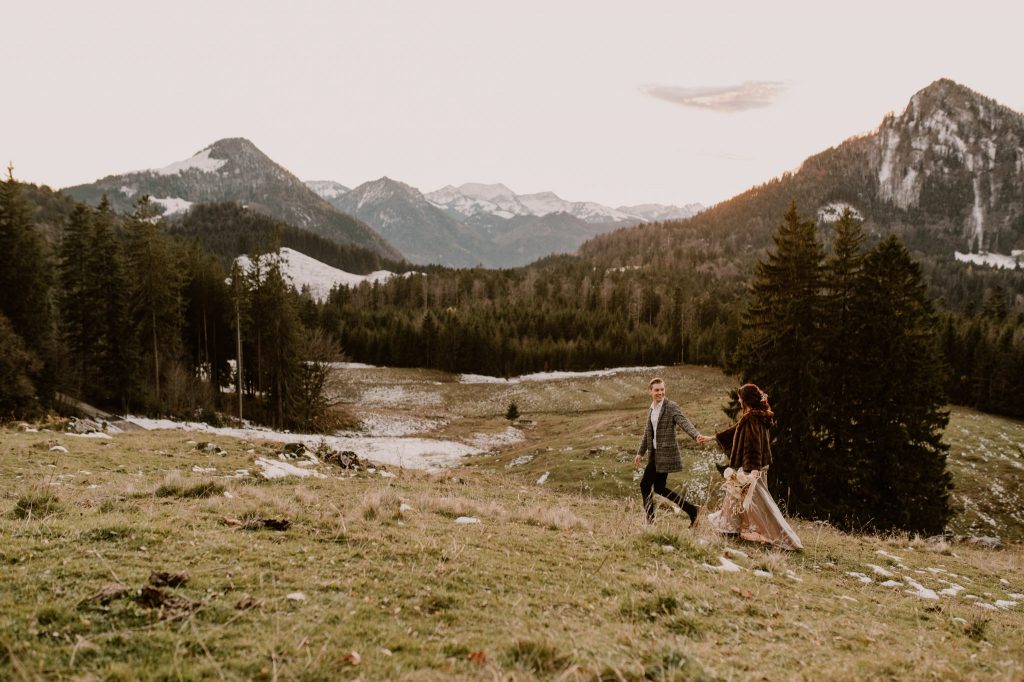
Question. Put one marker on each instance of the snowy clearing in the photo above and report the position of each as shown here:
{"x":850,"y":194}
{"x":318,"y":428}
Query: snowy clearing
{"x":409,"y":453}
{"x":551,"y":376}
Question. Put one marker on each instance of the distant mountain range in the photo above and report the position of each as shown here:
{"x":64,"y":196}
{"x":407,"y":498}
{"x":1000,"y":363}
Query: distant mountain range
{"x":235,"y":170}
{"x":947,"y":174}
{"x":488,"y":225}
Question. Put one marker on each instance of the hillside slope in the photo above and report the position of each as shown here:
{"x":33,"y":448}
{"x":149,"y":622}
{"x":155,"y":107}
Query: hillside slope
{"x":359,"y":574}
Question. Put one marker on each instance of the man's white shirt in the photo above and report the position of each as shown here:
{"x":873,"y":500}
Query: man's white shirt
{"x":655,"y":414}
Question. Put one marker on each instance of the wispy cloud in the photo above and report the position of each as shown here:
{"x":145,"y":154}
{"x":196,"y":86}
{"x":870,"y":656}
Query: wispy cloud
{"x":727,"y":98}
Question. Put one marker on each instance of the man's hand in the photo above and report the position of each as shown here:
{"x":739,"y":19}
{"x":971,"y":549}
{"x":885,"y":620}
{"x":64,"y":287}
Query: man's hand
{"x":702,"y":440}
{"x":636,"y":460}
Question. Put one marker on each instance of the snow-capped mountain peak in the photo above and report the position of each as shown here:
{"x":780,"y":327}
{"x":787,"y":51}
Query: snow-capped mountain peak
{"x":328,"y":189}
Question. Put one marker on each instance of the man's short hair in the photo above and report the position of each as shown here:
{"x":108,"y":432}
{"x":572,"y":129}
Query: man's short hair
{"x":655,"y":380}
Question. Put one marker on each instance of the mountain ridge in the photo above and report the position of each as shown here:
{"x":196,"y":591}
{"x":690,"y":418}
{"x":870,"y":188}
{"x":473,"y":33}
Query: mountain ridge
{"x":234,"y":170}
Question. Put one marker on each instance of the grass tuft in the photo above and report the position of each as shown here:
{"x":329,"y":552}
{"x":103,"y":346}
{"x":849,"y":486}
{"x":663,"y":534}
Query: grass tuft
{"x":649,"y":608}
{"x":183,"y":489}
{"x":37,"y":504}
{"x":537,"y":657}
{"x":382,"y":503}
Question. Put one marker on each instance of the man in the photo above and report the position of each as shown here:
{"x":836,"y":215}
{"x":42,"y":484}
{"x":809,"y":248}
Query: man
{"x":660,"y":441}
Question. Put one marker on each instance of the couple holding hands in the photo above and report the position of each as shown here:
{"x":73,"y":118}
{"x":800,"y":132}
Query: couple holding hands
{"x":748,"y":509}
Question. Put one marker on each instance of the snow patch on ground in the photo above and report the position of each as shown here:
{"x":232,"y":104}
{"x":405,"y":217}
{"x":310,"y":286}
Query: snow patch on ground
{"x":411,"y":453}
{"x":830,"y":213}
{"x":302,"y":271}
{"x":394,"y":396}
{"x":997,"y":260}
{"x":384,"y":425}
{"x":172,"y":205}
{"x":485,"y":441}
{"x":273,"y":468}
{"x":919,"y":589}
{"x":724,"y":565}
{"x":551,"y":376}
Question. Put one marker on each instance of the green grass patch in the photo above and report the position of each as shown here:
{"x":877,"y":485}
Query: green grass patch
{"x":37,"y":504}
{"x":187,"y":490}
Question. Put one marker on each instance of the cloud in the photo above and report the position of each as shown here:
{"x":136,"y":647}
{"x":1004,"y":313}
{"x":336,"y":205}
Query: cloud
{"x":728,"y":98}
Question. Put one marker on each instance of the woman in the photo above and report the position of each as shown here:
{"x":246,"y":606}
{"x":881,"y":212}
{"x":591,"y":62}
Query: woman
{"x":748,"y":509}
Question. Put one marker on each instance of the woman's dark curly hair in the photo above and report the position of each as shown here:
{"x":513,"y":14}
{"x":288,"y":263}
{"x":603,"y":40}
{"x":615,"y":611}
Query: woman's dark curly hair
{"x":753,"y":397}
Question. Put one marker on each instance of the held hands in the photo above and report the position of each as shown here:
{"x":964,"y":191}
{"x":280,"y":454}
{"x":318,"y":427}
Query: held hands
{"x":703,"y":440}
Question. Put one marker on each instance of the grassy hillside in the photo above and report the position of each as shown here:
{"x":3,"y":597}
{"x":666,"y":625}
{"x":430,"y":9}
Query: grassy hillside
{"x":374,"y":578}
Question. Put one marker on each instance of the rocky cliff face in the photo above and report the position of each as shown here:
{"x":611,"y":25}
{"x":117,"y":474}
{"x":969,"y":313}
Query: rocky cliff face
{"x":957,"y":155}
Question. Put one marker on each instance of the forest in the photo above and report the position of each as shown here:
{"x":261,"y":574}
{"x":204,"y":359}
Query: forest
{"x":139,"y":313}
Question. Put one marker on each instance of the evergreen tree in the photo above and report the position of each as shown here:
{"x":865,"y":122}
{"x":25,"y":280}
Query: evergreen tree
{"x":108,"y":294}
{"x":17,"y":366}
{"x":901,"y":375}
{"x":780,"y":351}
{"x":841,"y":491}
{"x":25,"y":283}
{"x":77,"y":326}
{"x":156,"y":282}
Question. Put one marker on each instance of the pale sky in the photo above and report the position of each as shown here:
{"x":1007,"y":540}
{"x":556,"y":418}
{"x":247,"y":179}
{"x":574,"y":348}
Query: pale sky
{"x":615,"y":102}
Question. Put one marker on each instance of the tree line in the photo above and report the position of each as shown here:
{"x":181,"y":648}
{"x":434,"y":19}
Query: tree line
{"x":123,"y":315}
{"x":848,"y":347}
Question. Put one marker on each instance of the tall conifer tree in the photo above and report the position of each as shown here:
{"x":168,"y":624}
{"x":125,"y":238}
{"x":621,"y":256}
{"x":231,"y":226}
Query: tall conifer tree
{"x":780,"y":351}
{"x":842,"y":489}
{"x":26,"y":283}
{"x":902,"y":376}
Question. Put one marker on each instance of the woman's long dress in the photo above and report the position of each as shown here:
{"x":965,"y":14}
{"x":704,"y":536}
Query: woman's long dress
{"x":761,"y":522}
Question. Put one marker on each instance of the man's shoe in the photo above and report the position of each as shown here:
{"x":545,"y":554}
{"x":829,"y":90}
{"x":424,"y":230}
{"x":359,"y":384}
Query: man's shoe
{"x":692,"y":512}
{"x":721,"y":468}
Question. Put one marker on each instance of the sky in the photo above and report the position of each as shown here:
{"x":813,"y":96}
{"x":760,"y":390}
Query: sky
{"x":620,"y":103}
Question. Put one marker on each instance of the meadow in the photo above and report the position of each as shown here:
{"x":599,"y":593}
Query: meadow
{"x":148,"y":555}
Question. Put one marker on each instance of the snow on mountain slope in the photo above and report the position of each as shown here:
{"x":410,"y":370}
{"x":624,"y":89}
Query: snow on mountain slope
{"x":320,"y":277}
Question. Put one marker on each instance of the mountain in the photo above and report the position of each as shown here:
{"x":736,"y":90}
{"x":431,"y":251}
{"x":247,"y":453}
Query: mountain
{"x":655,"y":213}
{"x":946,"y":174}
{"x":235,"y":170}
{"x":328,"y":189}
{"x":958,"y":157}
{"x":473,"y":199}
{"x":421,"y":231}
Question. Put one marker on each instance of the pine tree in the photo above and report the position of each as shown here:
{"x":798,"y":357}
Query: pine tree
{"x":25,"y":283}
{"x":77,"y":326}
{"x":156,"y":279}
{"x":842,"y":489}
{"x":899,"y":368}
{"x":17,"y":366}
{"x":108,"y":293}
{"x":780,"y":351}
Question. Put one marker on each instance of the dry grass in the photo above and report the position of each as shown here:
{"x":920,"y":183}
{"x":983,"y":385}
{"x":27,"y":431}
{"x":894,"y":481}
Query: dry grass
{"x":555,"y":582}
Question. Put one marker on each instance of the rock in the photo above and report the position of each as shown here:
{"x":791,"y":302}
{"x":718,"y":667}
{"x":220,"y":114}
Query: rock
{"x":294,"y":449}
{"x":296,"y":596}
{"x":248,"y":602}
{"x":467,"y":520}
{"x":58,"y":448}
{"x":346,"y":459}
{"x":206,"y":447}
{"x":76,"y":425}
{"x":985,"y":542}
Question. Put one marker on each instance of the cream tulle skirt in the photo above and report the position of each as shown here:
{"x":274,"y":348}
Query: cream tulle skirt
{"x":761,"y":521}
